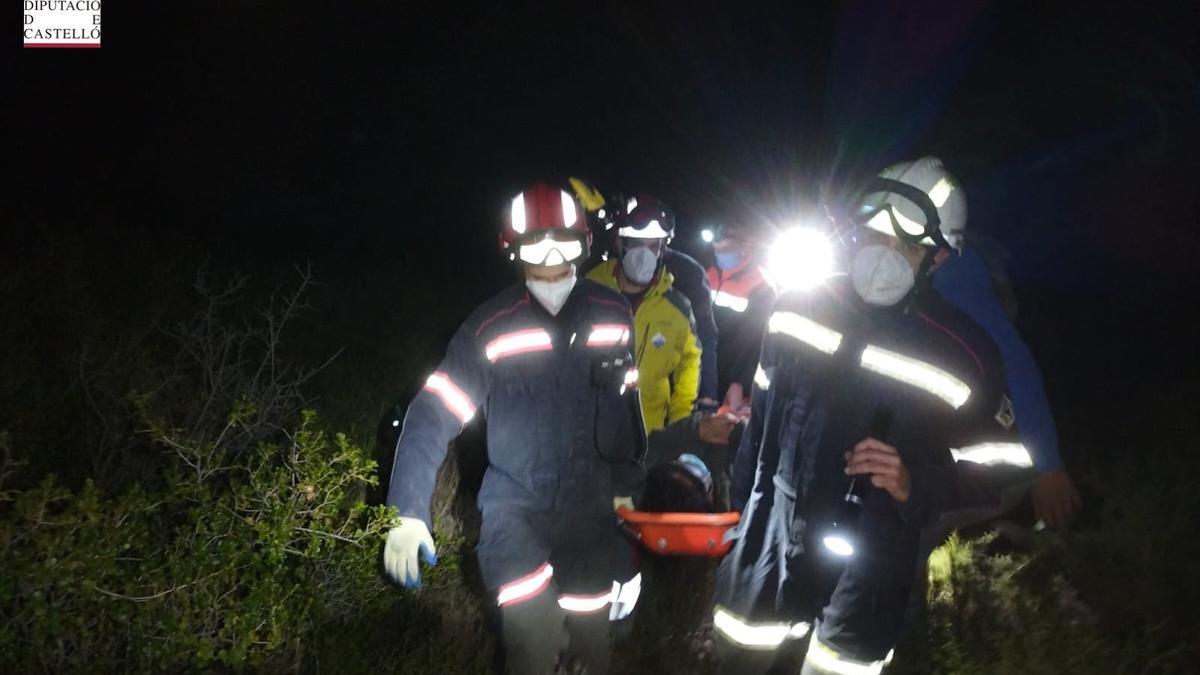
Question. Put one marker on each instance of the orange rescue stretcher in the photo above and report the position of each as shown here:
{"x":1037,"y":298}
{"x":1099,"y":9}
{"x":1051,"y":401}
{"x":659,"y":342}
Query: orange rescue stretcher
{"x":698,"y":534}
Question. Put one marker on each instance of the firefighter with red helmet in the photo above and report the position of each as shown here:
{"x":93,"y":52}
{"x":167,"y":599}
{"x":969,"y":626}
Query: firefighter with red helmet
{"x":547,"y":363}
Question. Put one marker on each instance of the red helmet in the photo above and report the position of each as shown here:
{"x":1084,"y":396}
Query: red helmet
{"x":644,"y":217}
{"x":544,"y":225}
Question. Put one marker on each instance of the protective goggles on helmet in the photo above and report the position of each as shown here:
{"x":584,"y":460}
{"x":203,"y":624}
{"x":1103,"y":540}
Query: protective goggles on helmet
{"x":550,"y":251}
{"x":887,"y":219}
{"x":651,"y":221}
{"x":653,"y":228}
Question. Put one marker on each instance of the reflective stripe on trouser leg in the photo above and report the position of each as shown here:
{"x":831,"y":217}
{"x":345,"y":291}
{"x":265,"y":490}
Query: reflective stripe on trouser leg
{"x":822,"y":659}
{"x":755,"y":635}
{"x":744,"y":646}
{"x":523,"y":588}
{"x":533,"y":632}
{"x":586,"y":603}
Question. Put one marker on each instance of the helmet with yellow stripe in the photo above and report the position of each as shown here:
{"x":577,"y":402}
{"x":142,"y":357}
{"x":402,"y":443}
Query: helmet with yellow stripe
{"x":919,"y":202}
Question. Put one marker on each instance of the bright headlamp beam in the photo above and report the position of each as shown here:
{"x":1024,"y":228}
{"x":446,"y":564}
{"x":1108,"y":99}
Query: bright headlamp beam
{"x":800,"y":258}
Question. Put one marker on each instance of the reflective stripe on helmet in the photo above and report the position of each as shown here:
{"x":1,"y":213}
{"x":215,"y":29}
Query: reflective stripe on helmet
{"x":568,"y":209}
{"x":539,"y":209}
{"x":805,"y":330}
{"x":940,"y":192}
{"x":455,"y":400}
{"x":916,"y":373}
{"x":925,"y":185}
{"x":524,"y":588}
{"x":518,"y":213}
{"x":518,"y":342}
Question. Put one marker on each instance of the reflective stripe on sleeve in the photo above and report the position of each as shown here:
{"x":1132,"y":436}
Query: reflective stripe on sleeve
{"x":1013,"y":454}
{"x":455,"y":400}
{"x":805,"y":330}
{"x":518,"y":342}
{"x":916,"y":373}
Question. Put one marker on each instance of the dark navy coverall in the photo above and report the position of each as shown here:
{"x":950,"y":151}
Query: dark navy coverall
{"x":564,"y":435}
{"x":828,"y":365}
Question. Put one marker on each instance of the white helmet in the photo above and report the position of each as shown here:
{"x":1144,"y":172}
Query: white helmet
{"x":896,"y":214}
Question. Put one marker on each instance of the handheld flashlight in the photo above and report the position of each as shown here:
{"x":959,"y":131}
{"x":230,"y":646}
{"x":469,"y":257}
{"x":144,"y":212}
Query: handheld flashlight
{"x":842,"y":538}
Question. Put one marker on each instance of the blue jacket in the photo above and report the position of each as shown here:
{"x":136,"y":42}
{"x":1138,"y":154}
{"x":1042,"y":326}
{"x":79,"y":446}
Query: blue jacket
{"x":965,"y":282}
{"x":564,"y":426}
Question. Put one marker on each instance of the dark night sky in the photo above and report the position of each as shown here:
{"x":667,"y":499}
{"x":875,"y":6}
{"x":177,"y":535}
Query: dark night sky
{"x":380,"y":137}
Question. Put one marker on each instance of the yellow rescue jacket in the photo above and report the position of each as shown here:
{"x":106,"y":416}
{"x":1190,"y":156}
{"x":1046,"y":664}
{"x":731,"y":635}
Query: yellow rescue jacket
{"x":665,"y":347}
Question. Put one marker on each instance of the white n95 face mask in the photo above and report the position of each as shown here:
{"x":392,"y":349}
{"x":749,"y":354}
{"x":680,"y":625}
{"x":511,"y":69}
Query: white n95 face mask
{"x":552,"y":294}
{"x":639,"y":264}
{"x":881,"y":275}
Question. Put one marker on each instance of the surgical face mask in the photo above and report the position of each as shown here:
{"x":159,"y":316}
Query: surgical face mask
{"x":729,"y":260}
{"x":552,"y":294}
{"x":639,"y":264}
{"x":881,"y":275}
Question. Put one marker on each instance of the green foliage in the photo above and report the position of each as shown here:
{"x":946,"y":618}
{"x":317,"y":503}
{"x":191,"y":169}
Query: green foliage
{"x":1145,"y":549}
{"x":989,"y":612}
{"x":226,"y":565}
{"x":231,"y":534}
{"x":225,"y":530}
